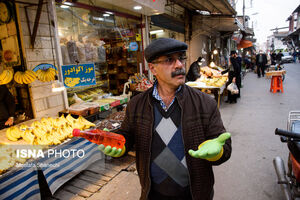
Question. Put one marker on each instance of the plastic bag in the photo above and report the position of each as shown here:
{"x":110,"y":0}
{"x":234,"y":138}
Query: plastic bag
{"x":232,"y":87}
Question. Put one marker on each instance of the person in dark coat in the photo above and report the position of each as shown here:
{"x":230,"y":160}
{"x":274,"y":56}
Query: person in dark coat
{"x":234,"y":73}
{"x":261,"y":61}
{"x":7,"y":107}
{"x":273,"y":58}
{"x":166,"y":124}
{"x":279,"y":57}
{"x":194,"y":70}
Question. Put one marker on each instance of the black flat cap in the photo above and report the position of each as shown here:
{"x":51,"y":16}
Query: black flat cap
{"x":232,"y":52}
{"x":163,"y":46}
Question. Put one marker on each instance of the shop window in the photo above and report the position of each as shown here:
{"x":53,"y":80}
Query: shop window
{"x":102,"y":38}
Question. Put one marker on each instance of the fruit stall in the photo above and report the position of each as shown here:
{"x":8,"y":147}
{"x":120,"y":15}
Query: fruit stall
{"x":43,"y":150}
{"x":39,"y":154}
{"x":212,"y":81}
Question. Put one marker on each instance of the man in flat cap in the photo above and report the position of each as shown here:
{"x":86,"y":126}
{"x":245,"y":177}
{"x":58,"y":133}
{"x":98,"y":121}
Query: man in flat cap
{"x":167,"y":123}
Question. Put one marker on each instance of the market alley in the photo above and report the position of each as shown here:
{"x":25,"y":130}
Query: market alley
{"x":249,"y":174}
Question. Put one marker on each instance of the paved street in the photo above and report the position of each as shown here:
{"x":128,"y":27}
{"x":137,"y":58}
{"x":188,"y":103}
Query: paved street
{"x":249,"y":174}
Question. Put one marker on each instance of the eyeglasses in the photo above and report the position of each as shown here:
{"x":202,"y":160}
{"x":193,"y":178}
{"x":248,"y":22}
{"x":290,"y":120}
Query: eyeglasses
{"x":171,"y":60}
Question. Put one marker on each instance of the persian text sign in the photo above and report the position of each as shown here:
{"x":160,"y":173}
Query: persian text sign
{"x":79,"y":75}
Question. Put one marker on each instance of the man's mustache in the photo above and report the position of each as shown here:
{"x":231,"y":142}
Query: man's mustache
{"x":178,"y":72}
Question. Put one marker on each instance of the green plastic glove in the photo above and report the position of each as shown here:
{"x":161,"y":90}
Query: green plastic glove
{"x":113,"y":152}
{"x":211,"y":150}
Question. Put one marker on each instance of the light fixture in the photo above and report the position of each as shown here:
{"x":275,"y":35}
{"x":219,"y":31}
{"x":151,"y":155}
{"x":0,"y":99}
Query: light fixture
{"x":98,"y":18}
{"x":64,"y":6}
{"x":137,"y":7}
{"x":106,"y":15}
{"x":156,"y":31}
{"x":68,"y":3}
{"x":110,"y":13}
{"x":212,"y":64}
{"x":215,"y":52}
{"x":57,"y":86}
{"x":203,"y":12}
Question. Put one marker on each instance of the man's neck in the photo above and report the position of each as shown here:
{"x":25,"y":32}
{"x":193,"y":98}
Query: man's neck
{"x":166,"y":93}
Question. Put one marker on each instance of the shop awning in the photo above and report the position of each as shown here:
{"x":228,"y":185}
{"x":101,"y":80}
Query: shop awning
{"x":168,"y":22}
{"x":244,"y":44}
{"x":212,"y":25}
{"x":221,"y":7}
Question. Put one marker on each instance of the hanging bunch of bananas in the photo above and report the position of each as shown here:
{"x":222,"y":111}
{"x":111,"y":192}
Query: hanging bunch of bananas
{"x":46,"y":75}
{"x":6,"y":76}
{"x":26,"y":77}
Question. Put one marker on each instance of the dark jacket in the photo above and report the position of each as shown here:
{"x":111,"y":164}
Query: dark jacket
{"x":7,"y":104}
{"x":193,"y":73}
{"x":264,"y":59}
{"x":201,"y":121}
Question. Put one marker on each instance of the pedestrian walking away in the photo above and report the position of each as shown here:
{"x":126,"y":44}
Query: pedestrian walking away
{"x":177,"y":130}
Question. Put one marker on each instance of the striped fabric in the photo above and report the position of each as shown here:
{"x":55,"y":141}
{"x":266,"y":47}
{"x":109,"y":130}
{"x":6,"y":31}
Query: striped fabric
{"x":67,"y":168}
{"x":20,"y":184}
{"x":23,"y":183}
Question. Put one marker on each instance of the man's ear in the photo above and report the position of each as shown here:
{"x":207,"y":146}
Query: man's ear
{"x":152,"y":68}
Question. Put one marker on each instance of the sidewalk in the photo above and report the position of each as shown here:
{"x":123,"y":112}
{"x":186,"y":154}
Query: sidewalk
{"x":103,"y":180}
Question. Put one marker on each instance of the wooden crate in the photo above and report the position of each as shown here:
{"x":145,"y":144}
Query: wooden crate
{"x":275,"y":73}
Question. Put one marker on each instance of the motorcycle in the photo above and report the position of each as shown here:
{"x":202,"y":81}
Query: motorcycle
{"x":290,"y":180}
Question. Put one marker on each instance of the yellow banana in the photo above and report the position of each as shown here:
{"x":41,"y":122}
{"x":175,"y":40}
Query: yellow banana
{"x":6,"y":76}
{"x":28,"y":136}
{"x":18,"y":77}
{"x":38,"y":132}
{"x":30,"y":75}
{"x":25,"y":79}
{"x":9,"y":136}
{"x":15,"y":132}
{"x":85,"y":122}
{"x":2,"y":75}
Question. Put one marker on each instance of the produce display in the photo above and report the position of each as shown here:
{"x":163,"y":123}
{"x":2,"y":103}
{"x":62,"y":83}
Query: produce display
{"x":6,"y":76}
{"x":40,"y":134}
{"x":215,"y":81}
{"x":8,"y":156}
{"x":113,"y":121}
{"x":25,"y":77}
{"x":209,"y":72}
{"x":48,"y":131}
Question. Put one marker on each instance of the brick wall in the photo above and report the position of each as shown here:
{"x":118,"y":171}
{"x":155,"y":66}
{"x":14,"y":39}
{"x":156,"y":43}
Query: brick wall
{"x":44,"y":102}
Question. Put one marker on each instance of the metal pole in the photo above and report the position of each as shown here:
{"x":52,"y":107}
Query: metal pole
{"x":244,"y":13}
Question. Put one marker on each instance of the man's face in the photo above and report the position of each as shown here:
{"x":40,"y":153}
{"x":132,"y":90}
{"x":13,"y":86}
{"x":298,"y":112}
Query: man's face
{"x":169,"y":70}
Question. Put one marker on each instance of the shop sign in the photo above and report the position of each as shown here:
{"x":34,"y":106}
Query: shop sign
{"x":79,"y":75}
{"x":138,"y":37}
{"x":133,"y":46}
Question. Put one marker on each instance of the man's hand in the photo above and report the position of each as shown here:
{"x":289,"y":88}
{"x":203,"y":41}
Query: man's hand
{"x":211,"y":150}
{"x":113,"y":152}
{"x":9,"y":122}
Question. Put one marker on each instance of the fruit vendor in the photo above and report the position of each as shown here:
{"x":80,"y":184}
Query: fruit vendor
{"x":177,"y":130}
{"x":7,"y":107}
{"x":194,"y":70}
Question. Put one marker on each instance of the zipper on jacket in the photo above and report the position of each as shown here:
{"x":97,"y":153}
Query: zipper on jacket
{"x":181,"y":110}
{"x":149,"y":158}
